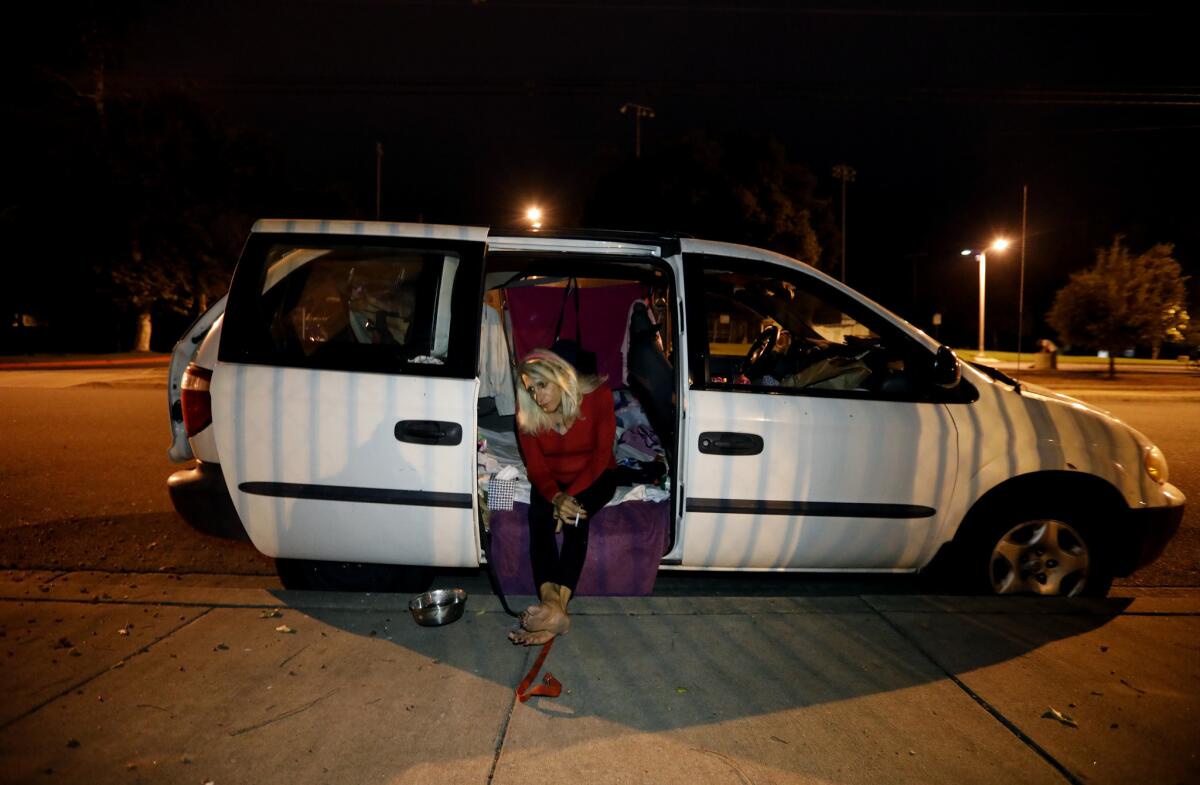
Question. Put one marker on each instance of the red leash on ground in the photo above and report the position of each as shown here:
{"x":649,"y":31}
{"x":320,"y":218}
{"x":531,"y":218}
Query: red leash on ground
{"x":550,"y":686}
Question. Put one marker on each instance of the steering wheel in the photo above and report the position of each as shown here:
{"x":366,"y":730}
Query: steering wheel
{"x":762,"y":346}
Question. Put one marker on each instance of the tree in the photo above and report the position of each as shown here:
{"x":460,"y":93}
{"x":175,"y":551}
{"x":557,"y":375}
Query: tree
{"x":743,"y":189}
{"x":120,"y":203}
{"x":1123,"y":301}
{"x":173,"y":182}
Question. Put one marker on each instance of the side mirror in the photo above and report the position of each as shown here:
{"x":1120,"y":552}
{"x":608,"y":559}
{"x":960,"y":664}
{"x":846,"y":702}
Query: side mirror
{"x":947,"y":369}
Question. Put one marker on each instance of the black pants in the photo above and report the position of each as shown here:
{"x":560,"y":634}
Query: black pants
{"x":549,"y":566}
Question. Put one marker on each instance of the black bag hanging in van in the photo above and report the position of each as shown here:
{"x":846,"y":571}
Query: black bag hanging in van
{"x":573,"y":351}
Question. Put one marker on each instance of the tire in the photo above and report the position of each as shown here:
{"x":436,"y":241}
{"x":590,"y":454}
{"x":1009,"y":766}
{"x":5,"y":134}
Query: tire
{"x":308,"y":574}
{"x":1040,"y":551}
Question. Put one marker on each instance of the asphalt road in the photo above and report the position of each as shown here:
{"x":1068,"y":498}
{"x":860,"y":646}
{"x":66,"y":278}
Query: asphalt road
{"x":83,"y":471}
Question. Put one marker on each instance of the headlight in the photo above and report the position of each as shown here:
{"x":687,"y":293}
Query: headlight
{"x":1155,"y":463}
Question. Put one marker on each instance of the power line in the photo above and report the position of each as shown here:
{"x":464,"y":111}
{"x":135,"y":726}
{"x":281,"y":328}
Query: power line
{"x":839,"y":92}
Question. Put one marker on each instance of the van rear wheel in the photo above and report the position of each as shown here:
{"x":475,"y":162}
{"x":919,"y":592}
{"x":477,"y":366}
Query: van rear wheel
{"x":1041,"y":554}
{"x":352,"y":576}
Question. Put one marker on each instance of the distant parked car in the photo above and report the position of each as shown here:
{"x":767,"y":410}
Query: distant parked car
{"x":332,"y":403}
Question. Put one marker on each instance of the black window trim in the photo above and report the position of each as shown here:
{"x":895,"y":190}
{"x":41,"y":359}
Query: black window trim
{"x":696,"y":263}
{"x":244,"y":340}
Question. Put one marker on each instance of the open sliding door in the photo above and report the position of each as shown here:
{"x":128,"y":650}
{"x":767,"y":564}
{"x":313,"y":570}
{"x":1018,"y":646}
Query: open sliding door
{"x":344,"y":395}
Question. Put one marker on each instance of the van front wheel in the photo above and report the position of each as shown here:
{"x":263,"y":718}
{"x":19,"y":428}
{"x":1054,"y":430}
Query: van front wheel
{"x":351,"y":576}
{"x":1038,"y":554}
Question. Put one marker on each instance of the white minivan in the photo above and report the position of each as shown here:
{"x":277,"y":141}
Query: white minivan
{"x":344,"y":399}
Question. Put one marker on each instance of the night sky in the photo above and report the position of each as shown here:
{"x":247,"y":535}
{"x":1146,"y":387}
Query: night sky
{"x":484,"y":107}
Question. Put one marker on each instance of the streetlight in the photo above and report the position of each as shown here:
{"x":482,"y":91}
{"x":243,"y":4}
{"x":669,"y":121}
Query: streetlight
{"x":998,"y":244}
{"x":534,"y":216}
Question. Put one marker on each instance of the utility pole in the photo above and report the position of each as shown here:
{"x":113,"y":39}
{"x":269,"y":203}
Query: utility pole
{"x":846,"y":175}
{"x":639,"y":112}
{"x":378,"y":178}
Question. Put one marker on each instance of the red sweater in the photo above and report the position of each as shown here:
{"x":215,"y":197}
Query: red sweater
{"x":574,"y":460}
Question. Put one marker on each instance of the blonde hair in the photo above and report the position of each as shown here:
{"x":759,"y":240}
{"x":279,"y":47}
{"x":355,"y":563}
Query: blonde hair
{"x":544,"y":365}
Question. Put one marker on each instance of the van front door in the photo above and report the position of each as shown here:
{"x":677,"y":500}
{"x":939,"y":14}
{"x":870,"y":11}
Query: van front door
{"x":811,"y":441}
{"x":344,"y":395}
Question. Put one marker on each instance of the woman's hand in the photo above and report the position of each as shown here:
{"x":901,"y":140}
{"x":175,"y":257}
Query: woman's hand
{"x":567,"y":509}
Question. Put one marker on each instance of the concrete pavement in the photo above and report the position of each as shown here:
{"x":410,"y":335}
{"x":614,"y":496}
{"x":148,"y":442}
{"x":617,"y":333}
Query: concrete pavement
{"x":159,"y":678}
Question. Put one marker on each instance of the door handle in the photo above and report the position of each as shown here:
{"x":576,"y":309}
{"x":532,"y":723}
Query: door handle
{"x":726,"y":443}
{"x":429,"y":432}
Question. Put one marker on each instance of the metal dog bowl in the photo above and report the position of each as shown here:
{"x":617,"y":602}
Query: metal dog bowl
{"x":438,"y":607}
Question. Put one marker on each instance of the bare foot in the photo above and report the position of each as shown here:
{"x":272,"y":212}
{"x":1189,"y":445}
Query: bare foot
{"x":535,"y":617}
{"x":550,"y":617}
{"x":521,"y":637}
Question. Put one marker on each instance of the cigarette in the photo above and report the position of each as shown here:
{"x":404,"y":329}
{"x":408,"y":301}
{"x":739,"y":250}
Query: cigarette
{"x":576,"y":520}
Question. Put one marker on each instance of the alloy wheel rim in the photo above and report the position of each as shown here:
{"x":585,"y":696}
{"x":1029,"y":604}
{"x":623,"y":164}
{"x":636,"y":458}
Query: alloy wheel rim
{"x":1043,"y":556}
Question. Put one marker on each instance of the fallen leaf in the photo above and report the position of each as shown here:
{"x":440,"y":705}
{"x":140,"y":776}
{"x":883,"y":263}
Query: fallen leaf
{"x":680,"y":690}
{"x":123,"y":631}
{"x":1054,"y":714}
{"x":284,"y":628}
{"x":271,"y":614}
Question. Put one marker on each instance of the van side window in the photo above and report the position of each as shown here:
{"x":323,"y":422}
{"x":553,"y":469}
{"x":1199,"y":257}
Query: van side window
{"x":773,"y":331}
{"x":366,"y":296}
{"x":360,"y":307}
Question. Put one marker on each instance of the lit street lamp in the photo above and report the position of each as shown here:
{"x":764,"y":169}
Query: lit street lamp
{"x":997,"y":245}
{"x":534,"y":216}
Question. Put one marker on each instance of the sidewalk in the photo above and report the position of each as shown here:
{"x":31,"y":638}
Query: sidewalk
{"x":158,"y":678}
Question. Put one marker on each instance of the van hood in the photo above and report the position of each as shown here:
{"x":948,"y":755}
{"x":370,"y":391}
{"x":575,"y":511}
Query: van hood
{"x":1112,"y":420}
{"x":1046,"y":392}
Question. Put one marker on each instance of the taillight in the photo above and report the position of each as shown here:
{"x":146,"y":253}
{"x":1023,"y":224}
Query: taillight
{"x":197,"y":403}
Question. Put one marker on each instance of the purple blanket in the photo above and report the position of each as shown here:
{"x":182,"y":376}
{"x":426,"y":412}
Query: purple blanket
{"x":625,"y":544}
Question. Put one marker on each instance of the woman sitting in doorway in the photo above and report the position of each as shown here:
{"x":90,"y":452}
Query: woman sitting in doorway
{"x":566,"y":428}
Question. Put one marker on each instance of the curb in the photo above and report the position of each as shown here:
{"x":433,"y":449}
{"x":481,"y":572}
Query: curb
{"x":49,"y":365}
